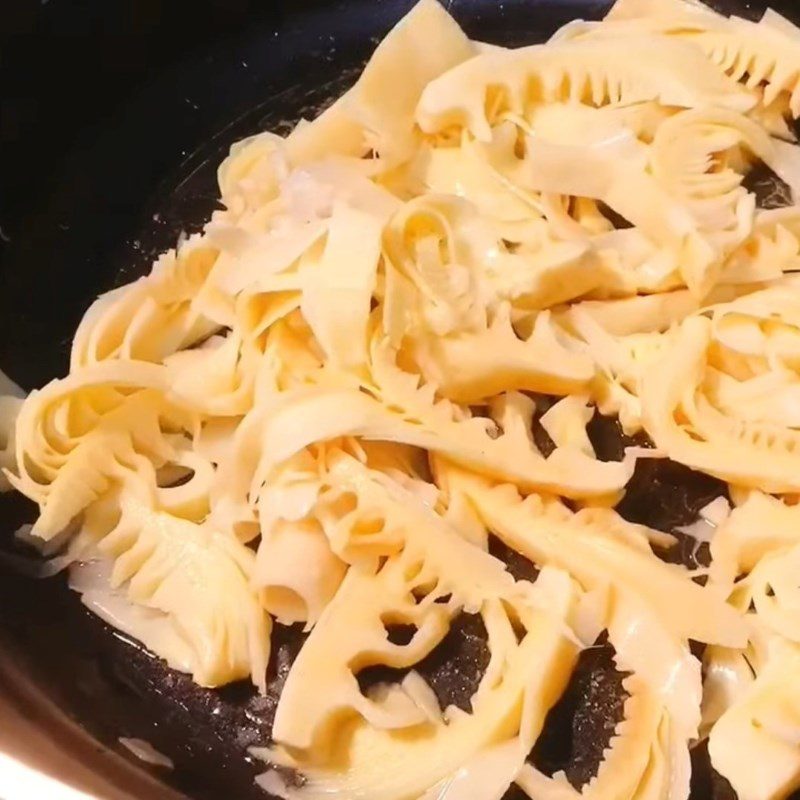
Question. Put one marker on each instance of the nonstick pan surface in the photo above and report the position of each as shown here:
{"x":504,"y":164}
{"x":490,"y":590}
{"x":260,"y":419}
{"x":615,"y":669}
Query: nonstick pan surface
{"x":114,"y":117}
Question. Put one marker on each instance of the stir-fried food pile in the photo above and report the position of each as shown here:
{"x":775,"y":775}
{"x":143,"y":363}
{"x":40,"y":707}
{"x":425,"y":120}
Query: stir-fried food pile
{"x":359,"y":401}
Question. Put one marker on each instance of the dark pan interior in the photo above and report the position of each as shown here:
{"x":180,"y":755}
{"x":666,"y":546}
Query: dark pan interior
{"x":114,"y":117}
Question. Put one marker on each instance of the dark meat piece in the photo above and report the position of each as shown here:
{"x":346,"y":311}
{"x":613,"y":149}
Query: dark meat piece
{"x":665,"y":495}
{"x":515,"y":793}
{"x":453,"y":669}
{"x":769,"y":189}
{"x":604,"y":433}
{"x":540,"y":436}
{"x":580,"y":726}
{"x":688,"y":552}
{"x":697,"y":649}
{"x":617,"y":220}
{"x":609,"y":441}
{"x":662,"y":494}
{"x":522,"y":568}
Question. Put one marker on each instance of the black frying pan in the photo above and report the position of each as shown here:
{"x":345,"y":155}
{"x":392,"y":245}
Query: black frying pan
{"x":113,"y":119}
